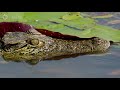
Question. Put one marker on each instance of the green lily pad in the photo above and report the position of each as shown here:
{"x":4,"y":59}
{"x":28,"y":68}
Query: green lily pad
{"x":11,"y":16}
{"x":72,"y":16}
{"x":64,"y":22}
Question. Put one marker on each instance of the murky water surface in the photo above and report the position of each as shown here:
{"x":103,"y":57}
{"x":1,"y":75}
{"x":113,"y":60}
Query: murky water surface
{"x":96,"y":66}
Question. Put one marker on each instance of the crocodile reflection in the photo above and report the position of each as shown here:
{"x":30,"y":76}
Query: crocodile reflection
{"x":36,"y":61}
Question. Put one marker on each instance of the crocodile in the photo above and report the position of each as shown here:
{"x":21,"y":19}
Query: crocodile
{"x":34,"y":45}
{"x":29,"y":46}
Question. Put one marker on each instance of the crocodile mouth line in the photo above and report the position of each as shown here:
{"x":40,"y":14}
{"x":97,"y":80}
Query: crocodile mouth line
{"x":9,"y":46}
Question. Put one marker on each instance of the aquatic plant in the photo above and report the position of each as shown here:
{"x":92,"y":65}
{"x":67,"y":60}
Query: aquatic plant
{"x":75,"y":23}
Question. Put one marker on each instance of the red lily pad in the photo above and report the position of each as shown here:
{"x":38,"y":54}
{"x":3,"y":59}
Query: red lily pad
{"x":57,"y":35}
{"x":21,"y":27}
{"x":13,"y":27}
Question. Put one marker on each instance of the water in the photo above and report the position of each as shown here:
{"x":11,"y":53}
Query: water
{"x":88,"y":66}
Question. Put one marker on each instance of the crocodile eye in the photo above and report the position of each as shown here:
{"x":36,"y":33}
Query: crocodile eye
{"x":40,"y":43}
{"x":34,"y":42}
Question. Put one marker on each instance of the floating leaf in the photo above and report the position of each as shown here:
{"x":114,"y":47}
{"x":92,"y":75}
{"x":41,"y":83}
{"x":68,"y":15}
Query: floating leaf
{"x":103,"y":16}
{"x":80,"y":24}
{"x":13,"y":27}
{"x":41,"y":16}
{"x":82,"y":27}
{"x":11,"y":16}
{"x":21,"y":27}
{"x":114,"y":22}
{"x":28,"y":16}
{"x":72,"y":16}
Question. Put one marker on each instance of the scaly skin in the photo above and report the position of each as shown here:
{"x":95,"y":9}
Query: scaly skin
{"x":21,"y":47}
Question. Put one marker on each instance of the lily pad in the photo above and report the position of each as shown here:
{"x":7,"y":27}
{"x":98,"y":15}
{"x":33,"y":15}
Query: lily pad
{"x":11,"y":16}
{"x":65,"y":23}
{"x":72,"y":16}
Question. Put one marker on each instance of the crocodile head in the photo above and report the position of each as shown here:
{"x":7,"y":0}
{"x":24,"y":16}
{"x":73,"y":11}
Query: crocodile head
{"x":18,"y":39}
{"x":32,"y":45}
{"x":21,"y":46}
{"x":24,"y":46}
